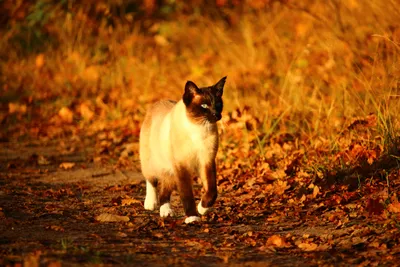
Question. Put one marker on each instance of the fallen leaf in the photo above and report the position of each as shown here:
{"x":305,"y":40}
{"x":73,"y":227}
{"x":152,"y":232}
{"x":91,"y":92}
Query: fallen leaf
{"x":16,"y":108}
{"x":42,"y":160}
{"x":308,"y":246}
{"x":315,"y":191}
{"x":121,"y":234}
{"x":66,"y":114}
{"x":128,"y":201}
{"x":108,"y":217}
{"x":277,"y":241}
{"x":394,"y":207}
{"x":158,"y":235}
{"x":39,"y":61}
{"x":86,"y":112}
{"x":161,"y":40}
{"x":91,"y":74}
{"x":55,"y":228}
{"x":67,"y":165}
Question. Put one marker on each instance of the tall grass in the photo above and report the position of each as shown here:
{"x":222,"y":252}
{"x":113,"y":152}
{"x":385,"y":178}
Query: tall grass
{"x":304,"y":70}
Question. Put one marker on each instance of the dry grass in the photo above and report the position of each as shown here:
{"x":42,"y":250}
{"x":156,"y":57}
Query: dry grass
{"x":309,"y":153}
{"x":305,"y":72}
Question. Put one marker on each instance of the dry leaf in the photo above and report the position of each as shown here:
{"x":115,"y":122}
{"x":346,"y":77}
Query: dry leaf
{"x":42,"y":160}
{"x":128,"y":201}
{"x":121,"y":234}
{"x":302,"y":199}
{"x":277,"y":241}
{"x":55,"y":228}
{"x":108,"y":217}
{"x":315,"y":191}
{"x":86,"y":112}
{"x":371,"y":156}
{"x":308,"y":246}
{"x":39,"y":61}
{"x":158,"y":235}
{"x":280,"y":187}
{"x":91,"y":74}
{"x":67,"y":165}
{"x":16,"y":108}
{"x":394,"y":207}
{"x":66,"y":114}
{"x":161,"y":40}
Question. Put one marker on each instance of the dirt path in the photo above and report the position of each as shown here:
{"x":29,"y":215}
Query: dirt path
{"x":48,"y":215}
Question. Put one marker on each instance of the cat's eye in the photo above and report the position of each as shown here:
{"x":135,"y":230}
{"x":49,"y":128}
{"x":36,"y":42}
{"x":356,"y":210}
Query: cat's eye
{"x":204,"y":106}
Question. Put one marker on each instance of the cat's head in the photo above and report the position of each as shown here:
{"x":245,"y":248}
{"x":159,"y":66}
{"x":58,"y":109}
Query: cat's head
{"x":204,"y":104}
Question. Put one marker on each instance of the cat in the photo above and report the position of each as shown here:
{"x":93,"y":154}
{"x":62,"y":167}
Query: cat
{"x":179,"y":140}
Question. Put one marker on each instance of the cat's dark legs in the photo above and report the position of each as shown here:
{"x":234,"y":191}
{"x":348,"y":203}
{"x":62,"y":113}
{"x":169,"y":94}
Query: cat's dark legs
{"x":184,"y":186}
{"x":165,"y":196}
{"x":151,"y":200}
{"x":210,"y":186}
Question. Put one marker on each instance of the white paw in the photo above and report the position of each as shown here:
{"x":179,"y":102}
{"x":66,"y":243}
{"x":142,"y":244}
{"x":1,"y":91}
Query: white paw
{"x":192,"y":219}
{"x":200,"y":209}
{"x":165,"y":210}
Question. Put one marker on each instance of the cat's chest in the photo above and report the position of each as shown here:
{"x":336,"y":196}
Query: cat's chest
{"x":195,"y":145}
{"x":202,"y":143}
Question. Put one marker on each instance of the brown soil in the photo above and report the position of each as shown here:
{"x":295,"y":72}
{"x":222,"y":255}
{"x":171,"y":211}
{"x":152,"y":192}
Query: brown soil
{"x":48,"y":217}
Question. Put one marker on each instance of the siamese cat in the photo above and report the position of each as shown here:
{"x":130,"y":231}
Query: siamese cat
{"x":179,"y":140}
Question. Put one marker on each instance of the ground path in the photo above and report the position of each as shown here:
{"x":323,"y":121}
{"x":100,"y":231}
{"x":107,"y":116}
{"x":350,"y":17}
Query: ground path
{"x":49,"y":215}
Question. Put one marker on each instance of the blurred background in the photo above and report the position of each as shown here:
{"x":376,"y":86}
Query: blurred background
{"x":298,"y":71}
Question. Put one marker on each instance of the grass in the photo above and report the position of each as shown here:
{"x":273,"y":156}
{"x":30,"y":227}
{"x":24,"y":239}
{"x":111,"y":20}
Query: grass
{"x":307,"y":71}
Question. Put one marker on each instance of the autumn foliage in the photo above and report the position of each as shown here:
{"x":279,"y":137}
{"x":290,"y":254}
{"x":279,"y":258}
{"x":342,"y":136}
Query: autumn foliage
{"x":310,"y":128}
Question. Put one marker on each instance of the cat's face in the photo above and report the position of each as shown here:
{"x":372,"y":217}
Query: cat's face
{"x":204,"y":104}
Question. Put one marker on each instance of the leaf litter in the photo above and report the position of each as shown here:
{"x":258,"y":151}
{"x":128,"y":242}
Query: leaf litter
{"x":290,"y":192}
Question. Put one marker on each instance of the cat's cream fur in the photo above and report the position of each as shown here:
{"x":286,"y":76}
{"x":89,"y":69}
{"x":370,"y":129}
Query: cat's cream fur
{"x":168,"y":129}
{"x":174,"y":147}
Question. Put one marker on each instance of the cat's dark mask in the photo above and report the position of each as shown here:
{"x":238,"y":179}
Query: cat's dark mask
{"x":204,"y":104}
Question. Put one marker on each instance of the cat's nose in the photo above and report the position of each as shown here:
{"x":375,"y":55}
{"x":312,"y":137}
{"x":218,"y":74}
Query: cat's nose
{"x":217,"y":116}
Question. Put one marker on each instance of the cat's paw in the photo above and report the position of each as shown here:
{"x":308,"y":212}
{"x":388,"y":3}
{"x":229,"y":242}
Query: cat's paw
{"x":165,"y":210}
{"x":192,"y":219}
{"x":201,"y":210}
{"x":150,"y":203}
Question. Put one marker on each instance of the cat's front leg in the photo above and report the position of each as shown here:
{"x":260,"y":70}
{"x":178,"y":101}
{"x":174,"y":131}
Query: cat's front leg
{"x":184,"y":186}
{"x":150,"y":202}
{"x":167,"y":187}
{"x":208,"y":175}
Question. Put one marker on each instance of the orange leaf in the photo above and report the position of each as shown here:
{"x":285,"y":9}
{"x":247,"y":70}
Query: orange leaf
{"x":394,"y":207}
{"x":39,"y":61}
{"x":308,"y":246}
{"x":67,"y":165}
{"x":85,"y":111}
{"x":108,"y":217}
{"x":277,"y":241}
{"x":66,"y":114}
{"x":16,"y":108}
{"x":315,"y":191}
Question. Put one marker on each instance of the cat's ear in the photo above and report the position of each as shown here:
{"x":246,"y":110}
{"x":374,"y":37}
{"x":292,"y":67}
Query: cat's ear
{"x":219,"y":86}
{"x":191,"y":90}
